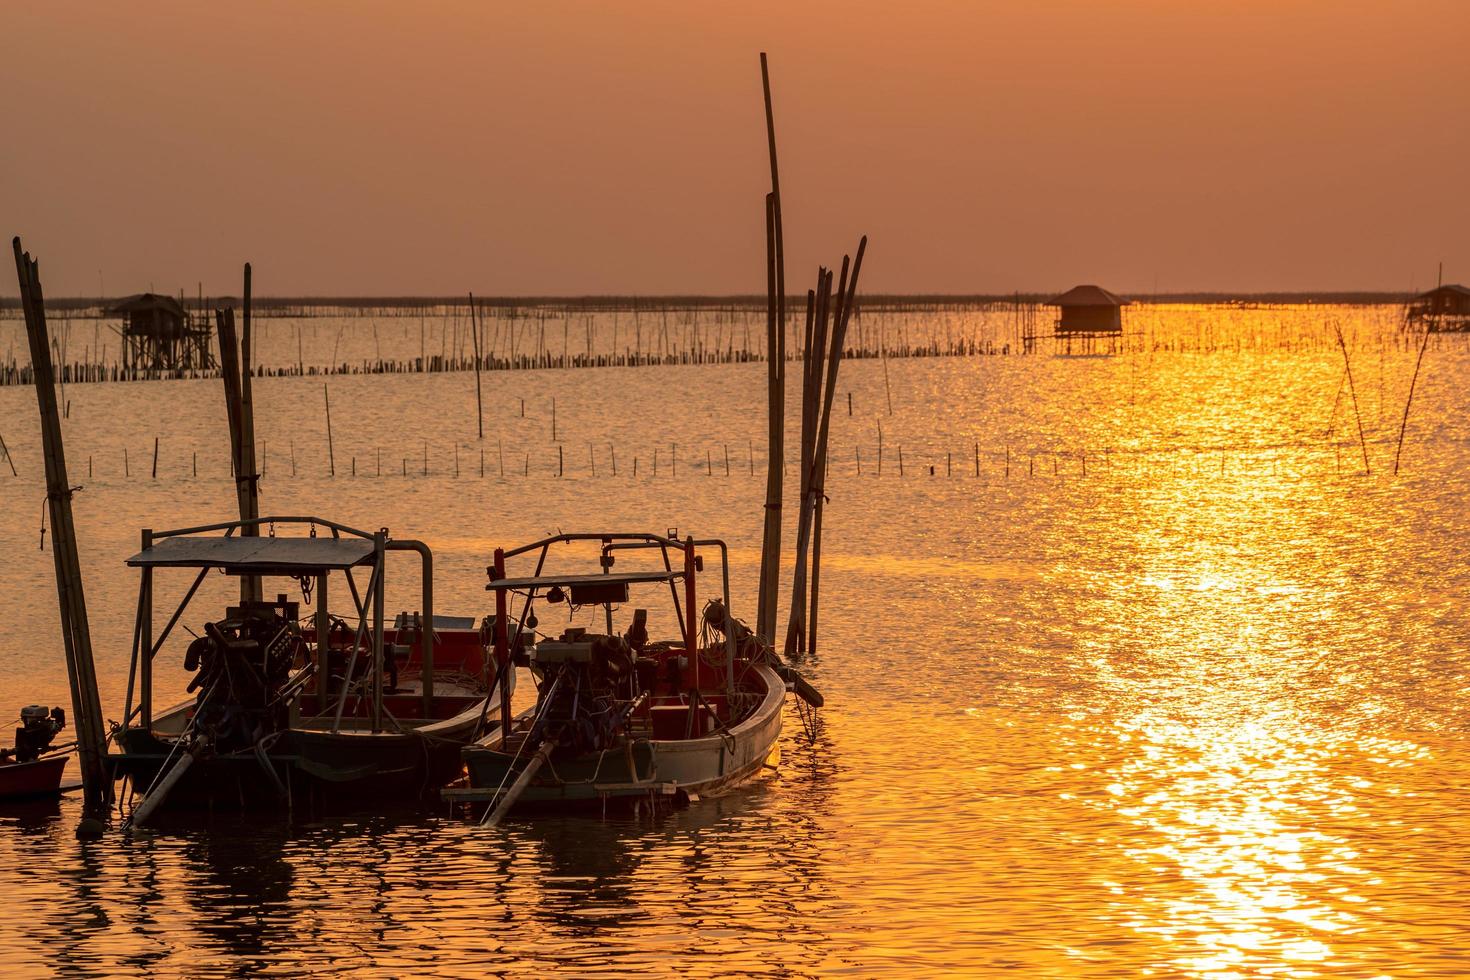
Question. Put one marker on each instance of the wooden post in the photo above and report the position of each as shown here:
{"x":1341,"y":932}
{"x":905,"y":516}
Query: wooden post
{"x":155,"y":458}
{"x":331,"y":453}
{"x":76,"y":634}
{"x":479,"y":402}
{"x":6,"y":450}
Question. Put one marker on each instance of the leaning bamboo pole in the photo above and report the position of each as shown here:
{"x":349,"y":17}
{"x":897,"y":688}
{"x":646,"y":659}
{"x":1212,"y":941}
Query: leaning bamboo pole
{"x":846,"y":301}
{"x":1409,"y":402}
{"x":818,"y":305}
{"x":75,"y":630}
{"x":1353,"y":391}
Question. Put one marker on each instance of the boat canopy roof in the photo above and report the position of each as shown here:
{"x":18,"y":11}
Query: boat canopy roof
{"x":256,"y":556}
{"x":595,"y":579}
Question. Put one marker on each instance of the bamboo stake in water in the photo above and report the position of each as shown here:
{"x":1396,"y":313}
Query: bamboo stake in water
{"x":1348,"y":364}
{"x":1408,"y":402}
{"x":331,"y":453}
{"x":479,"y":403}
{"x":6,"y":450}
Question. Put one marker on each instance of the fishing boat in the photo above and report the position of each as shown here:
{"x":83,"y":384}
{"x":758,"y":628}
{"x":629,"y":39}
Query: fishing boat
{"x":283,"y":701}
{"x":33,"y":768}
{"x":619,"y":714}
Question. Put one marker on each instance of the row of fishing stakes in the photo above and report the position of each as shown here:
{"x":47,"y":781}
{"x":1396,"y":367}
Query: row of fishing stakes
{"x":885,"y":328}
{"x":865,"y":460}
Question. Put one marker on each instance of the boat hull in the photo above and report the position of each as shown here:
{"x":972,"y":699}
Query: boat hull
{"x":340,"y":766}
{"x":30,"y":780}
{"x":705,"y":766}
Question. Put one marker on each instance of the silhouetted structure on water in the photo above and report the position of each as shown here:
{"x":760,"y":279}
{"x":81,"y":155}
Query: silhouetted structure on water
{"x":158,"y":335}
{"x":1445,"y":309}
{"x":1089,"y":311}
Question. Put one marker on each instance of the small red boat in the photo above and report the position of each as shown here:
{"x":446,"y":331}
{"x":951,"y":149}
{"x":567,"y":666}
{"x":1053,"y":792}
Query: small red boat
{"x":28,"y":780}
{"x":26,"y":772}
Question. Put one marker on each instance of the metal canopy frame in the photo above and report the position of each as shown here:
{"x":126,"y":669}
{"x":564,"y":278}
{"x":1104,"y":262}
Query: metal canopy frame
{"x":344,"y":549}
{"x":502,"y":586}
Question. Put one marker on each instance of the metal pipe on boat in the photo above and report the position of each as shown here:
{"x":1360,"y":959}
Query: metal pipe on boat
{"x":729,"y":629}
{"x":380,"y":542}
{"x":145,"y":638}
{"x":426,"y":639}
{"x":533,"y":765}
{"x":691,"y":628}
{"x":502,"y":646}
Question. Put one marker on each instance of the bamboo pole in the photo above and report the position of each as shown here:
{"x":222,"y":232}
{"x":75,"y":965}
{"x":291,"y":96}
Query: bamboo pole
{"x":229,"y":355}
{"x":6,"y":450}
{"x":1348,"y":364}
{"x":247,"y":426}
{"x":776,"y":378}
{"x":770,"y":581}
{"x":479,"y":401}
{"x":331,"y":453}
{"x":818,"y":302}
{"x":71,"y":599}
{"x":847,"y":300}
{"x":1408,"y":402}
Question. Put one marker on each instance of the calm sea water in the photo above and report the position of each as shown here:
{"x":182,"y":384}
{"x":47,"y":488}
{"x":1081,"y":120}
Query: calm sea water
{"x":1183,"y":693}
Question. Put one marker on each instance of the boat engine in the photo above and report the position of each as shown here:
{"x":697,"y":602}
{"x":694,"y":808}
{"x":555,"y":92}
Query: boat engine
{"x":582,"y":690}
{"x":242,"y":665}
{"x":38,"y":726}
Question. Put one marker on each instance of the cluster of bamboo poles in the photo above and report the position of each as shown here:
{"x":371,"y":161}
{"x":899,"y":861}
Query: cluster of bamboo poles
{"x":828,"y":314}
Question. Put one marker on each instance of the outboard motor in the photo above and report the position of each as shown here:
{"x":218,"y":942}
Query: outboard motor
{"x":242,"y":665}
{"x":38,"y":726}
{"x":582,"y":687}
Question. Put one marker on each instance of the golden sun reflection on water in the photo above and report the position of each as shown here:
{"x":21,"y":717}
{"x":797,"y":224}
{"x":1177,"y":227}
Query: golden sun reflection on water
{"x":1238,"y":821}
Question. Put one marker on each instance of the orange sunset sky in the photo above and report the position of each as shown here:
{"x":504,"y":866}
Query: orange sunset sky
{"x":594,"y":147}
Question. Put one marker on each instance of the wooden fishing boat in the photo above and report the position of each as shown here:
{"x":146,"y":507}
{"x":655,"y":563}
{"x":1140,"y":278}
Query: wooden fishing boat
{"x":618,"y":714}
{"x":283,"y":702}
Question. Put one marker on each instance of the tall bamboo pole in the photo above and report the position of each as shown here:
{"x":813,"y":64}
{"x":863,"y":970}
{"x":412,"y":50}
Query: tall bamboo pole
{"x":229,"y":359}
{"x":776,"y":381}
{"x":770,"y":582}
{"x":75,"y":631}
{"x":247,"y":434}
